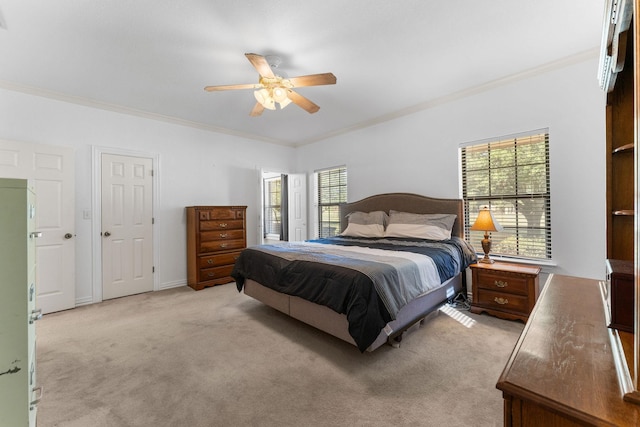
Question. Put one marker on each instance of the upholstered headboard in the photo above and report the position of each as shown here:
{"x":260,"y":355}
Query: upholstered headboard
{"x":407,"y":202}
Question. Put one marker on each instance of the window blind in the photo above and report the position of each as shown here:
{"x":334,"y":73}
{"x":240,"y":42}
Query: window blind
{"x":511,"y":176}
{"x":332,"y":192}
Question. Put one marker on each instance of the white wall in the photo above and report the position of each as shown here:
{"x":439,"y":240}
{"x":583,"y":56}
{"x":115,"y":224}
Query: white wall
{"x":416,"y":153}
{"x":419,"y":153}
{"x":196,"y":168}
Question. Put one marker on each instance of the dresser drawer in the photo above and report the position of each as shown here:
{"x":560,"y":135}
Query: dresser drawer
{"x":221,"y":213}
{"x":503,"y":301}
{"x":218,"y":260}
{"x":221,"y":245}
{"x":235,"y":224}
{"x":207,"y":236}
{"x":503,"y":282}
{"x":215,"y":273}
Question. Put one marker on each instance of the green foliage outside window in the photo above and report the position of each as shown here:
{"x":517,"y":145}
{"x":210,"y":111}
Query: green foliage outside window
{"x":511,"y":176}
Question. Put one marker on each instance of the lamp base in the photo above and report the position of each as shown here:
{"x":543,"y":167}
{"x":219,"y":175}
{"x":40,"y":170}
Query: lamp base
{"x":486,"y":248}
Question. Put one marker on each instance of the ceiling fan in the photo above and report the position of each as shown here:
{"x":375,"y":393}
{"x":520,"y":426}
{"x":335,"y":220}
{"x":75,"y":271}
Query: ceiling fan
{"x":272,"y":88}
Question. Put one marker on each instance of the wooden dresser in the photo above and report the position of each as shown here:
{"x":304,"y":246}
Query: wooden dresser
{"x":563,"y":370}
{"x":215,"y":237}
{"x":504,"y":290}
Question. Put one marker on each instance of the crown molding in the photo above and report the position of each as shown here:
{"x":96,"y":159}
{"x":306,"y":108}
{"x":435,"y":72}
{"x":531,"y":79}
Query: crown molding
{"x":461,"y":94}
{"x":58,"y":96}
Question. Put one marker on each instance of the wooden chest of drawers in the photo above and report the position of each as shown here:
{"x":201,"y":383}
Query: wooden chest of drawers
{"x":504,"y":290}
{"x":215,"y":237}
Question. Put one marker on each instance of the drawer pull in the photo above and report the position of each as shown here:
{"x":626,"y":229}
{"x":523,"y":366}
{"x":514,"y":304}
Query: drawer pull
{"x":35,"y":315}
{"x":501,"y":301}
{"x":39,"y":392}
{"x":500,"y":283}
{"x":223,"y":224}
{"x":223,"y":235}
{"x":209,"y":261}
{"x":223,"y":245}
{"x":211,"y":274}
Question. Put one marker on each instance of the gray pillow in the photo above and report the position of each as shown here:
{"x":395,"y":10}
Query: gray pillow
{"x":369,"y":218}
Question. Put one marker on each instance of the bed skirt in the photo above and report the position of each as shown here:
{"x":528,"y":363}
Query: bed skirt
{"x":336,"y":324}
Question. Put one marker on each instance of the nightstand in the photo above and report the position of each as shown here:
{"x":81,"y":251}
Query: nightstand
{"x":504,"y":290}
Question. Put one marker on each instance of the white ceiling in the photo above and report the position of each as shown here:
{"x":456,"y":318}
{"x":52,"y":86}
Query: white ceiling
{"x":154,"y":57}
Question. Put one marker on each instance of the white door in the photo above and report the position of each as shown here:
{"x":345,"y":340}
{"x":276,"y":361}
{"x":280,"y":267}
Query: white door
{"x":127,"y":225}
{"x":52,"y":170}
{"x":297,"y":207}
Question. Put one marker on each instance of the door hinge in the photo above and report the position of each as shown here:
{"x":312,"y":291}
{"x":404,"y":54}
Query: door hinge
{"x":153,"y":269}
{"x":151,"y":172}
{"x":153,"y":221}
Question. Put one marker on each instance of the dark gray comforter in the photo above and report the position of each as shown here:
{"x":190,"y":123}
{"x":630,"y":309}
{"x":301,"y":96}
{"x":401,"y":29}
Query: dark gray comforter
{"x":368,"y":280}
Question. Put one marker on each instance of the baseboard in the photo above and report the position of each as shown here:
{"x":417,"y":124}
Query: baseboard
{"x":84,"y":301}
{"x":174,"y":284}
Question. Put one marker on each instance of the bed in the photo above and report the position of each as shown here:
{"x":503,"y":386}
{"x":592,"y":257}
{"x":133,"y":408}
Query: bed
{"x":370,"y":286}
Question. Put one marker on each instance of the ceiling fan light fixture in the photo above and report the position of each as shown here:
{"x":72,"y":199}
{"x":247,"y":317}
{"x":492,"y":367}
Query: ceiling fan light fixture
{"x":286,"y":101}
{"x":279,"y":94}
{"x":264,"y":98}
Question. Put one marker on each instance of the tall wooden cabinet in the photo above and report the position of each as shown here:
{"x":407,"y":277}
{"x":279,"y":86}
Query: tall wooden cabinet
{"x":215,"y":237}
{"x":18,"y":392}
{"x":617,"y":78}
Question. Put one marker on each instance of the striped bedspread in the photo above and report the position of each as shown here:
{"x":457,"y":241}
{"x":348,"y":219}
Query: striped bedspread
{"x":369,"y":280}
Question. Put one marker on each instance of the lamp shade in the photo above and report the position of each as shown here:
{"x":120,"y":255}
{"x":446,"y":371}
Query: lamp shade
{"x":485,"y":221}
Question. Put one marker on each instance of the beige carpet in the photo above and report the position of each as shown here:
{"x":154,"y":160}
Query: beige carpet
{"x":219,"y":358}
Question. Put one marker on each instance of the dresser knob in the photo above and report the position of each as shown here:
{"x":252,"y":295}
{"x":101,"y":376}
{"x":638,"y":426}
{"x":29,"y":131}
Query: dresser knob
{"x":501,"y":301}
{"x":223,"y":245}
{"x":223,"y":224}
{"x":209,"y":261}
{"x":500,"y":283}
{"x":223,"y":235}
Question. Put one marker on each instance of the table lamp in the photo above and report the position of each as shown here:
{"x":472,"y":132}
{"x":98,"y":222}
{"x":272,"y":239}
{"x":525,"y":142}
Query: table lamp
{"x":486,"y":222}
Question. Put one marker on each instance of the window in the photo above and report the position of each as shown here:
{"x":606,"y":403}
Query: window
{"x":332,"y":192}
{"x":272,"y":206}
{"x":511,"y":176}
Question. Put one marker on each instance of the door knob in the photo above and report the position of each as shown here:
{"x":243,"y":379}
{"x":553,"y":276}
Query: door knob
{"x":107,"y":234}
{"x":68,"y":236}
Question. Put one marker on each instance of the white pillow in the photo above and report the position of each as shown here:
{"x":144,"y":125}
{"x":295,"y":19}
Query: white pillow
{"x":363,"y":230}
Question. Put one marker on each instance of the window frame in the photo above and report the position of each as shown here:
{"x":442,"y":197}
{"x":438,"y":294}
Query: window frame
{"x":529,"y":243}
{"x":332,"y":224}
{"x":268,"y":222}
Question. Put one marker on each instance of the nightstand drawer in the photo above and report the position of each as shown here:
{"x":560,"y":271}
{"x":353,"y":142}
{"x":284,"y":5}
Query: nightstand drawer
{"x":505,"y":290}
{"x":503,"y":301}
{"x":503,"y":282}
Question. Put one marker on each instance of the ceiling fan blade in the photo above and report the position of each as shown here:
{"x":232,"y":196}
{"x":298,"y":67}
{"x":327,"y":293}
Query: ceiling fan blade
{"x":257,"y":110}
{"x":302,"y":102}
{"x":313,"y":80}
{"x":232,"y":87}
{"x":260,"y":63}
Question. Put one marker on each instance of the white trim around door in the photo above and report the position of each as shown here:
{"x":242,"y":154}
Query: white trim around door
{"x":96,"y":220}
